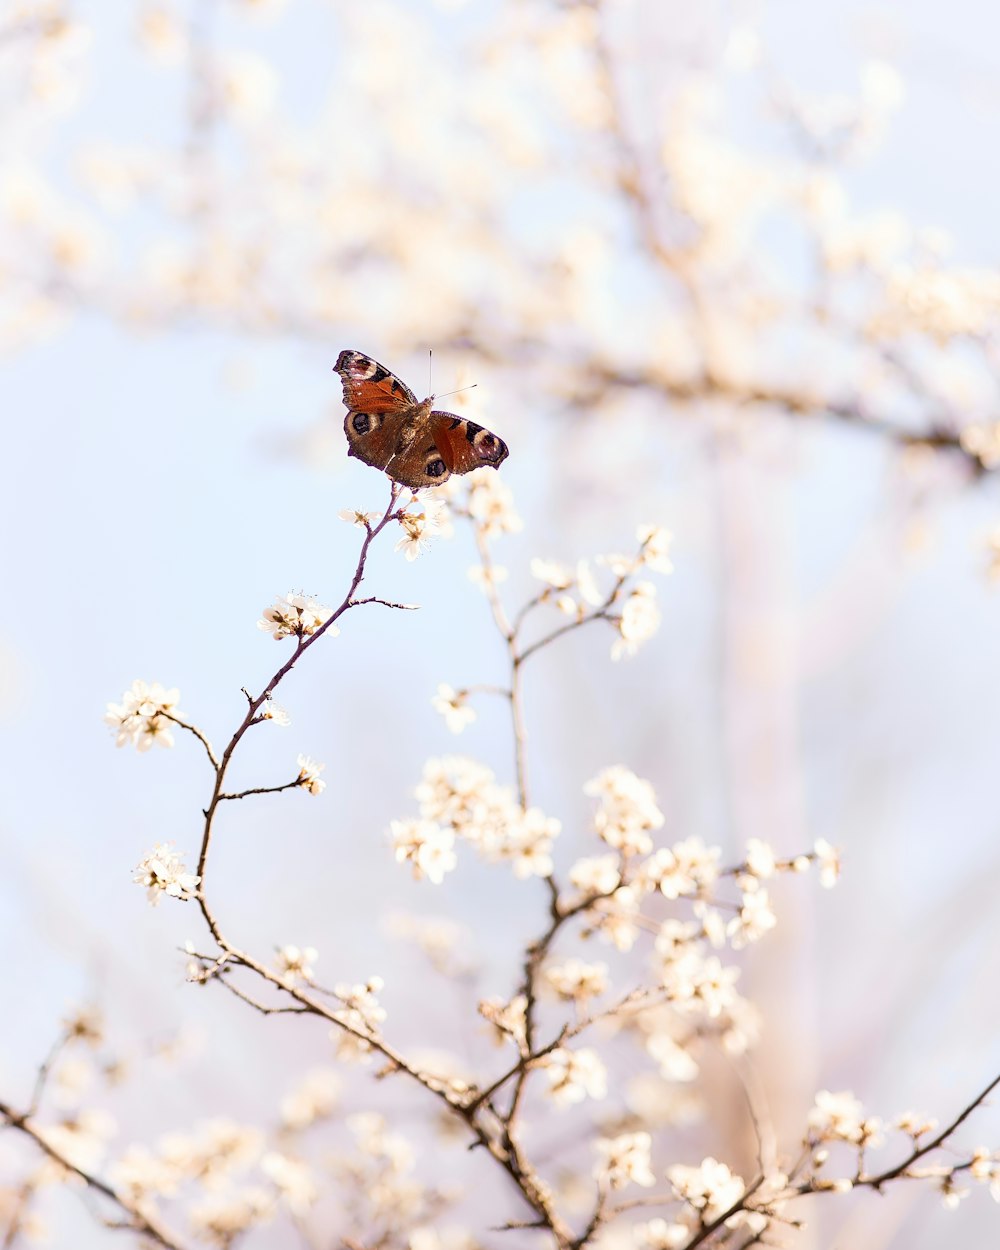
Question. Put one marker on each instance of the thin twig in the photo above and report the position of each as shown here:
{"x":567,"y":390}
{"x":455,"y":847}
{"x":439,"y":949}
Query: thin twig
{"x":242,"y":794}
{"x":192,"y":729}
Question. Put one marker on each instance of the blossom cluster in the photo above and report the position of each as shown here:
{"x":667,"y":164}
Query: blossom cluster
{"x":144,"y":716}
{"x":459,"y":799}
{"x":295,"y":616}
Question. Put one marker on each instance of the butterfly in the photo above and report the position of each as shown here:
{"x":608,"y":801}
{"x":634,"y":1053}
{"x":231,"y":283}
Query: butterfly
{"x":390,"y":429}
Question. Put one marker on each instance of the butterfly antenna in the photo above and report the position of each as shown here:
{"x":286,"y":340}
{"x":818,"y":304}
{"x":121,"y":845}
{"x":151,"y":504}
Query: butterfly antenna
{"x":430,"y":371}
{"x":471,"y":387}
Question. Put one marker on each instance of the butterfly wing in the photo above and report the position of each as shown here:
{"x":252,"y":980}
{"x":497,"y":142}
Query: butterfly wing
{"x":463,"y":445}
{"x":378,"y":404}
{"x":419,"y":462}
{"x":369,"y":386}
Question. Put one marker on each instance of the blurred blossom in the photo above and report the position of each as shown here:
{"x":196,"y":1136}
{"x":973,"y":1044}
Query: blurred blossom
{"x":627,"y":811}
{"x":574,"y":1075}
{"x":639,"y":620}
{"x":161,"y":35}
{"x":293,"y":1179}
{"x":142,"y":717}
{"x":577,"y":981}
{"x":625,"y":1160}
{"x":491,"y":503}
{"x":314,"y":1098}
{"x":509,"y":1019}
{"x":309,"y":775}
{"x":249,"y":86}
{"x":81,"y":1138}
{"x":454,"y":707}
{"x":828,"y":858}
{"x":425,"y":845}
{"x":710,"y":1188}
{"x":296,"y":963}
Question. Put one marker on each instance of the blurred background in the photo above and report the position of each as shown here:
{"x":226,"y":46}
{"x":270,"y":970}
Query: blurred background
{"x":730,"y":268}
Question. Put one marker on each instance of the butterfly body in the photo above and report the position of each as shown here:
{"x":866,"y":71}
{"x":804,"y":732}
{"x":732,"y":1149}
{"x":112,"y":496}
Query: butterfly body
{"x":390,"y":429}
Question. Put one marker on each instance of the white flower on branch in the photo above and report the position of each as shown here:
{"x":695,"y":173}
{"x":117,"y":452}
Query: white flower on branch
{"x":508,"y":1019}
{"x":694,"y":982}
{"x":419,"y":527}
{"x":654,"y":551}
{"x":454,"y":707}
{"x":462,"y":794}
{"x":141,"y":1174}
{"x":624,"y":1160}
{"x":576,"y":981}
{"x":914,"y":1123}
{"x":221,"y":1218}
{"x":613,"y":919}
{"x":657,"y":1234}
{"x":141,"y":717}
{"x":755,"y":918}
{"x":839,"y":1117}
{"x":558,"y":576}
{"x":687,"y":868}
{"x":414,"y":541}
{"x":81,"y":1138}
{"x":294,"y":616}
{"x":710,"y":1188}
{"x":528,"y":844}
{"x":309,"y":775}
{"x":760,"y":860}
{"x":425,"y":845}
{"x":574,"y":1075}
{"x":269,"y":710}
{"x":639,"y":620}
{"x":364,"y":520}
{"x":951,"y":1192}
{"x":362,"y":1010}
{"x":491,"y":504}
{"x":627,"y":810}
{"x":598,"y":874}
{"x":163,"y":872}
{"x":828,"y":858}
{"x":296,"y":963}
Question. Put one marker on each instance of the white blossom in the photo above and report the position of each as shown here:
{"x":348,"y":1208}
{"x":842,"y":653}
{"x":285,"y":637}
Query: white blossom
{"x":309,"y":775}
{"x":454,"y":707}
{"x":425,"y":845}
{"x":142,"y":716}
{"x":163,"y":872}
{"x":625,"y":1159}
{"x":574,"y":1075}
{"x":295,"y":616}
{"x":295,"y":963}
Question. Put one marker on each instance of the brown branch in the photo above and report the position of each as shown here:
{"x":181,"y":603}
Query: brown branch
{"x":242,"y":794}
{"x":302,"y":645}
{"x":193,"y":729}
{"x":881,"y":1178}
{"x":138,"y":1221}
